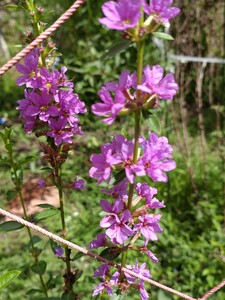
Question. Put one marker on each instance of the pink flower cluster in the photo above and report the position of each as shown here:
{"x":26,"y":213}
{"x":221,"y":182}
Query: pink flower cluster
{"x":154,"y":161}
{"x":121,"y":96}
{"x":124,"y":225}
{"x":49,"y":105}
{"x":125,"y":14}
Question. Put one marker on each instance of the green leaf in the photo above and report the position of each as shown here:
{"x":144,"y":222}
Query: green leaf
{"x":35,"y":240}
{"x":27,"y":160}
{"x":46,"y":214}
{"x":68,"y":296}
{"x":109,"y":254}
{"x":8,"y":277}
{"x":44,"y":16}
{"x":11,"y":195}
{"x":12,"y":6}
{"x":77,"y":256}
{"x":46,"y":205}
{"x":163,"y":36}
{"x":10,"y":226}
{"x":46,"y":169}
{"x":39,"y":267}
{"x":3,"y":137}
{"x":119,"y":47}
{"x":154,"y":124}
{"x":33,"y":292}
{"x":117,"y":177}
{"x":78,"y":274}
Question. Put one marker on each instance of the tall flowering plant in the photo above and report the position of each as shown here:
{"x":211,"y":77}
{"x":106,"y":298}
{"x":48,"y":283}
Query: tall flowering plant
{"x":50,"y":110}
{"x":130,"y":221}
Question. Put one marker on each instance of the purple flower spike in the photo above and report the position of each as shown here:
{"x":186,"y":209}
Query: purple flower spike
{"x":121,"y":15}
{"x":161,"y":11}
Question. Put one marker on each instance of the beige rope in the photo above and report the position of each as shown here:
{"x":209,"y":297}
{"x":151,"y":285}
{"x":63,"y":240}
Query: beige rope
{"x":212,"y":291}
{"x":95,"y":256}
{"x":42,"y":37}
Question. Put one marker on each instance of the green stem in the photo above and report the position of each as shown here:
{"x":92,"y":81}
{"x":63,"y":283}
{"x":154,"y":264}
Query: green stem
{"x":137,"y":131}
{"x":36,"y":27}
{"x":18,"y":187}
{"x":69,"y":284}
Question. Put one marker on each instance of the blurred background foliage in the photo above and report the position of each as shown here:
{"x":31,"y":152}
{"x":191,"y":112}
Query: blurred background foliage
{"x":191,"y":249}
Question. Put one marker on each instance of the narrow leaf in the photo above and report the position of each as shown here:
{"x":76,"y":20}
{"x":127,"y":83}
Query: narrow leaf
{"x":46,"y":205}
{"x":27,"y":160}
{"x":11,"y":6}
{"x":154,"y":124}
{"x":77,"y":256}
{"x":10,"y":226}
{"x":163,"y":36}
{"x":46,"y":214}
{"x":68,"y":296}
{"x":119,"y":47}
{"x":33,"y":292}
{"x":8,"y":277}
{"x":109,"y":254}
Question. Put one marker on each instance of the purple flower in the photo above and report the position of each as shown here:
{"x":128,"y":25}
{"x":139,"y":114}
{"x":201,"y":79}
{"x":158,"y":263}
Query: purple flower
{"x":121,"y":15}
{"x":142,"y":291}
{"x":118,"y":191}
{"x":156,"y":159}
{"x":161,"y":11}
{"x":147,"y":192}
{"x":102,"y":271}
{"x":99,"y":242}
{"x":40,"y":105}
{"x":118,"y":231}
{"x":113,"y":210}
{"x":59,"y":132}
{"x":110,"y":107}
{"x":139,"y":270}
{"x":126,"y":81}
{"x":79,"y":184}
{"x":59,"y":251}
{"x":69,"y":106}
{"x":150,"y":254}
{"x":41,"y":183}
{"x":29,"y":70}
{"x":149,"y":226}
{"x":101,"y":168}
{"x":101,"y":286}
{"x":154,"y":83}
